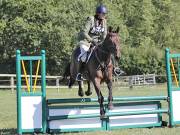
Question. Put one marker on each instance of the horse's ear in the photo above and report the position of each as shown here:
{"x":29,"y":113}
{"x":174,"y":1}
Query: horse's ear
{"x":110,"y":29}
{"x":117,"y":30}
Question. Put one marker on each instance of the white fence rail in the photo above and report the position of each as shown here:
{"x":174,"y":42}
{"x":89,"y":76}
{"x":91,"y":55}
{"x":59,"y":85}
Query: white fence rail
{"x":135,"y":80}
{"x":142,"y":80}
{"x":8,"y":81}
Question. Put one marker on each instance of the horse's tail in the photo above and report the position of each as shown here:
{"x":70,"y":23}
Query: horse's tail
{"x":66,"y":73}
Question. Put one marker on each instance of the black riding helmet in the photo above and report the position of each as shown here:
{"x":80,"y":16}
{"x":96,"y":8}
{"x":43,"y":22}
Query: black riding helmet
{"x":101,"y":9}
{"x":100,"y":12}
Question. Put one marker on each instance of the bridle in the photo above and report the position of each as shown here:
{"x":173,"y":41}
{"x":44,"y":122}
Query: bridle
{"x":105,"y":52}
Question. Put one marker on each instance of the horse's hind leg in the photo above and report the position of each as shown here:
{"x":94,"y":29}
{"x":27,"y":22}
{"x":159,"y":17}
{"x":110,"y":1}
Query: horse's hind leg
{"x":80,"y":91}
{"x":71,"y":82}
{"x":89,"y":91}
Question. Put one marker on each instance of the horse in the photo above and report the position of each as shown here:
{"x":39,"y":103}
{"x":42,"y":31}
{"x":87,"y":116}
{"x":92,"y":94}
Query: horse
{"x":99,"y":68}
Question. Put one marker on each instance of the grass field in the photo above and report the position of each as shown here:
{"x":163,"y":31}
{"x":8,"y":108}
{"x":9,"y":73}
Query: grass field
{"x":8,"y":110}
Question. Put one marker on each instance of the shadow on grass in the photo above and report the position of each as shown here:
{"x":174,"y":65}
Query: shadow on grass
{"x":10,"y":131}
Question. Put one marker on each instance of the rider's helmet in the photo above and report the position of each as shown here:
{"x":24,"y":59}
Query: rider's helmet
{"x":101,"y":9}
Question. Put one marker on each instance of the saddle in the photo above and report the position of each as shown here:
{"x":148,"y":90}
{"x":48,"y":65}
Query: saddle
{"x":89,"y":53}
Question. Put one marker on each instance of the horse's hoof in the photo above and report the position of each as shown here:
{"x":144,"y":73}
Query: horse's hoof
{"x":102,"y":116}
{"x":88,"y":93}
{"x":81,"y":93}
{"x":110,"y":106}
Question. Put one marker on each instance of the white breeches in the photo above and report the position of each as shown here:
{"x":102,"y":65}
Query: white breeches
{"x":84,"y":47}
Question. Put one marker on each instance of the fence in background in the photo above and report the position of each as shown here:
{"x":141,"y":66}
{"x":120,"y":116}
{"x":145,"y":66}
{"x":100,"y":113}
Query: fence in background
{"x":8,"y":81}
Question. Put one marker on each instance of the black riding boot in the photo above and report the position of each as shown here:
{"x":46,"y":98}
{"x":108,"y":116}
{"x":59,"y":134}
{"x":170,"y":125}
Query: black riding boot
{"x":79,"y":75}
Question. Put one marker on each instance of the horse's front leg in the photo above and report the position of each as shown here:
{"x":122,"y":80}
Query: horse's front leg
{"x":109,"y":85}
{"x":96,"y":83}
{"x":89,"y":91}
{"x":110,"y":97}
{"x":80,"y":91}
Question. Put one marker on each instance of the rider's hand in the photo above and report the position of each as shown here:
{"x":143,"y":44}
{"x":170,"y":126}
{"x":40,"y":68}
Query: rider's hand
{"x":94,"y":43}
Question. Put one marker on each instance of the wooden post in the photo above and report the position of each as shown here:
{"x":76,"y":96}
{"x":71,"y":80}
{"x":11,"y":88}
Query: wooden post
{"x":154,"y":78}
{"x":57,"y":83}
{"x":114,"y":79}
{"x":12,"y":84}
{"x":144,"y":79}
{"x":130,"y":81}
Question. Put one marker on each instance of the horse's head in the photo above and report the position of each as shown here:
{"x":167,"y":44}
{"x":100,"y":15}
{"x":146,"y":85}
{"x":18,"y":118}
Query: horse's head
{"x":112,"y":42}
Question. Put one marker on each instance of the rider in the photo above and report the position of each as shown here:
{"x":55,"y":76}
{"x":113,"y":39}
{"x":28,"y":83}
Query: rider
{"x":93,"y":33}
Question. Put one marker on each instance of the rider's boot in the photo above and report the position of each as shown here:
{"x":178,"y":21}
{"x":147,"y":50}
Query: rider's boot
{"x":79,"y":74}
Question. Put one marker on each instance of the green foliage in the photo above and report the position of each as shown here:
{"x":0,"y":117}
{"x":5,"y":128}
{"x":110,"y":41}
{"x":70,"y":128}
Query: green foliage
{"x":143,"y":60}
{"x":146,"y":28}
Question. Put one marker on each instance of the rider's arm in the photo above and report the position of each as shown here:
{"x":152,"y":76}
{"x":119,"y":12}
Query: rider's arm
{"x":105,"y":29}
{"x":87,"y":28}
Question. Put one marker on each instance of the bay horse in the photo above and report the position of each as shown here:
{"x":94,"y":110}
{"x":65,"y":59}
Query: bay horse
{"x":99,"y":67}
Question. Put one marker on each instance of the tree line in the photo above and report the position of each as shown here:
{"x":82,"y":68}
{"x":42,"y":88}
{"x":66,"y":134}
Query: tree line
{"x":147,"y":27}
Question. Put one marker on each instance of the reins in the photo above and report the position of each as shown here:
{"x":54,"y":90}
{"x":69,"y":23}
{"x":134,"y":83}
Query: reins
{"x":97,"y":57}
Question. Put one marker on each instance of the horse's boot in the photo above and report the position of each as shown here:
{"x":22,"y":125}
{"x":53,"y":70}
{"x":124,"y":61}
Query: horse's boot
{"x":79,"y":77}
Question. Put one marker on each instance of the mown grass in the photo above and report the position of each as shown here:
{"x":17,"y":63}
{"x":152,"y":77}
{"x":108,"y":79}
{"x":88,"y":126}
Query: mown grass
{"x":8,"y":110}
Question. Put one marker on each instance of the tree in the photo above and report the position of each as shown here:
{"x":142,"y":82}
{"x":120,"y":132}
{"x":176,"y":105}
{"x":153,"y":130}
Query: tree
{"x":146,"y":28}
